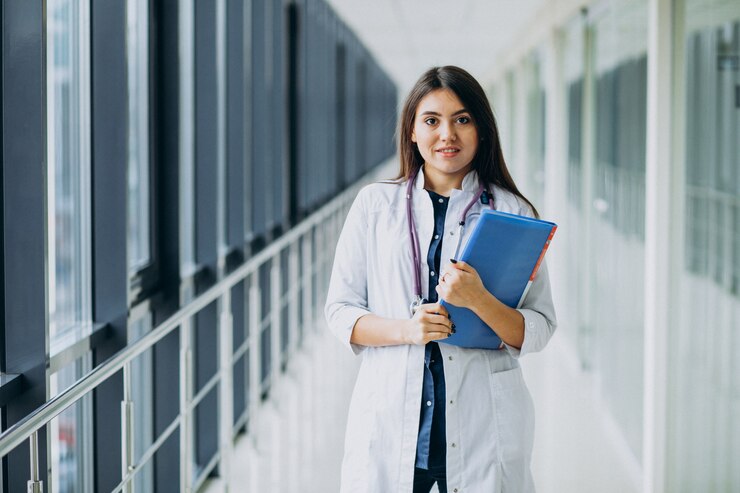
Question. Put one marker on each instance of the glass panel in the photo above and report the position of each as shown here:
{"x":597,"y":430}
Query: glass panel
{"x":703,"y":433}
{"x":617,"y":229}
{"x":143,"y":399}
{"x":536,"y":130}
{"x":137,"y":40}
{"x":71,"y":434}
{"x":570,"y":317}
{"x":68,"y":130}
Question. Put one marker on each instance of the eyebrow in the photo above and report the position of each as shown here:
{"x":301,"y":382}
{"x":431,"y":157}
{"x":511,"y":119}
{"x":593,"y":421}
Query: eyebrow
{"x":434,"y":113}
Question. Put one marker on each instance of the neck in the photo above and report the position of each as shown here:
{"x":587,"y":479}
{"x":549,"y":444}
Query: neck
{"x":443,"y":183}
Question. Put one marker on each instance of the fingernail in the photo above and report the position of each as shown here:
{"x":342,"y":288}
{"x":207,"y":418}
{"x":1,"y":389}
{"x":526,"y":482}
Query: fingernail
{"x":453,"y":260}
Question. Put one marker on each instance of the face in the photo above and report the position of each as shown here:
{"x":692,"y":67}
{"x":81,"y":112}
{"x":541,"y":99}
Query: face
{"x":445,"y":134}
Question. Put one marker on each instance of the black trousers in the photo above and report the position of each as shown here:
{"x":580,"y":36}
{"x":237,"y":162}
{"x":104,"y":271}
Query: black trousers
{"x":425,"y":479}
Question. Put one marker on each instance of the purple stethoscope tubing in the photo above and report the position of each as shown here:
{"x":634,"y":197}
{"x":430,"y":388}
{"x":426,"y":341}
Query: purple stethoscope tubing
{"x":415,"y":248}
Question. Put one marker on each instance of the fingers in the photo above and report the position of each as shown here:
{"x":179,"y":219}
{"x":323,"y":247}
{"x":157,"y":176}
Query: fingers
{"x":433,"y":323}
{"x":438,"y":336}
{"x":435,"y":318}
{"x":435,"y":308}
{"x":459,"y":265}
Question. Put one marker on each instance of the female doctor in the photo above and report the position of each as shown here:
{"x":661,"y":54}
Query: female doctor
{"x":422,"y":411}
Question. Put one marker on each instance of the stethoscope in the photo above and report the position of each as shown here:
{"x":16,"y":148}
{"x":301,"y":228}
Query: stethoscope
{"x":482,"y":193}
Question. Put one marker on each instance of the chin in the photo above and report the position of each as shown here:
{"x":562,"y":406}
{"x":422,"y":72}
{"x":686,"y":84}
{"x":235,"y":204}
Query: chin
{"x":451,"y":169}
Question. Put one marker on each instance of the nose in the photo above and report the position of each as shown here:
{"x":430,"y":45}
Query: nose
{"x":447,"y":132}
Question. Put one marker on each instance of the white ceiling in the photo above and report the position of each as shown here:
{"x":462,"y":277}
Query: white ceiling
{"x":409,"y":36}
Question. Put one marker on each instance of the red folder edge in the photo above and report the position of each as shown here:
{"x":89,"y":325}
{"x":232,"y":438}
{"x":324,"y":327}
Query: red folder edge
{"x":536,"y":266}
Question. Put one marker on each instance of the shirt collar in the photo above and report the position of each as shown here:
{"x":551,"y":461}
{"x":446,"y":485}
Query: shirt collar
{"x":470,"y":182}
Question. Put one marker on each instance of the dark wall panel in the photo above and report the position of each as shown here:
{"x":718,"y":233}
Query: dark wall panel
{"x":261,"y":116}
{"x":235,"y":123}
{"x":109,"y":162}
{"x":24,"y":182}
{"x":206,"y":141}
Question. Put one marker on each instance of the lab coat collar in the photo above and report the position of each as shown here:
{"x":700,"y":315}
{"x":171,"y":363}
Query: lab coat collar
{"x":470,"y":182}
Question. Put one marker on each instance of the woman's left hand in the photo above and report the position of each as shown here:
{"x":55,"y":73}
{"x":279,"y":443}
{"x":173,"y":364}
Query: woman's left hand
{"x":461,"y":285}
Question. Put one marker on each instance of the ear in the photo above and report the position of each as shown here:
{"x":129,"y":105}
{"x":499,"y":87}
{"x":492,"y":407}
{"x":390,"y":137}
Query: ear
{"x":413,"y":136}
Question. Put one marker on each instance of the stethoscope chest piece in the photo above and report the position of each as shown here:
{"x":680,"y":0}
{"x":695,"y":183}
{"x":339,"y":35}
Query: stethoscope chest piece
{"x":416,"y":304}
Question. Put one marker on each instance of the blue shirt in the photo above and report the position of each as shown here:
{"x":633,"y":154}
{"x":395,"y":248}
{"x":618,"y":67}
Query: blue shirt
{"x":431,"y":447}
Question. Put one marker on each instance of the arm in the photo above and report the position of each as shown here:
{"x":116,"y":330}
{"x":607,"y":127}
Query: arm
{"x":347,"y":312}
{"x":461,"y":286}
{"x":429,"y":323}
{"x":523,"y":330}
{"x":346,"y":299}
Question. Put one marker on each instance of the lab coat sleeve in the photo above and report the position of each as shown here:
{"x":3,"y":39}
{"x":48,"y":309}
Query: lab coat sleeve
{"x":538,"y":311}
{"x":346,"y":300}
{"x":539,"y":315}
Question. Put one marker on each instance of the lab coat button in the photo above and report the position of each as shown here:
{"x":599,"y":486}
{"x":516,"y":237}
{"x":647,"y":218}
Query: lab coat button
{"x":450,"y":358}
{"x":452,"y":402}
{"x":455,"y":490}
{"x":453,"y":444}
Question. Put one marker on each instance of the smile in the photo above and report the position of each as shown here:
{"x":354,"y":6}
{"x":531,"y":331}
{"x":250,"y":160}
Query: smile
{"x":448,"y":151}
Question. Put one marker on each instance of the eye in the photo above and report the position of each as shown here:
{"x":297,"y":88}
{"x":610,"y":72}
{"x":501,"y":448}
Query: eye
{"x":463,"y":120}
{"x":430,"y":120}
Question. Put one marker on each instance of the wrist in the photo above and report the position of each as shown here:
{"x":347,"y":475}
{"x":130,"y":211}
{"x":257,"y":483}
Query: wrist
{"x":483,"y":299}
{"x":405,"y":325}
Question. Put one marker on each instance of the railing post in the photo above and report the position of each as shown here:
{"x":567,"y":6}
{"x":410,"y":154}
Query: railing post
{"x":294,"y":291}
{"x":325,"y":254}
{"x":308,"y":268}
{"x":186,"y":390}
{"x":255,"y":357}
{"x":275,"y":319}
{"x":127,"y":428}
{"x":253,"y":403}
{"x":34,"y":485}
{"x":226,"y":386}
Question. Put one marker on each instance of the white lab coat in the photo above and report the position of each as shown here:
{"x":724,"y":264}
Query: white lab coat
{"x":489,"y":411}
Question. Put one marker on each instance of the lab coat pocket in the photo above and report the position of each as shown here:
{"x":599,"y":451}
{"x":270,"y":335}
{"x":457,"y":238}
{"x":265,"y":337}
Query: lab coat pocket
{"x":514,"y":415}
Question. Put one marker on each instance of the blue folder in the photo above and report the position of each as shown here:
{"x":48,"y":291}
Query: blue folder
{"x":506,"y":251}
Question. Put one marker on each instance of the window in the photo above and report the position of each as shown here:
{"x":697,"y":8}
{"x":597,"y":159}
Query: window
{"x":138,"y":221}
{"x":71,"y":434}
{"x":68,"y":155}
{"x":702,"y":431}
{"x":143,"y":404}
{"x":69,"y":242}
{"x":617,"y":229}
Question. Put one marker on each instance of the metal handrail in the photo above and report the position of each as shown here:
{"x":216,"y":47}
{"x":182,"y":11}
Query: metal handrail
{"x":25,"y":428}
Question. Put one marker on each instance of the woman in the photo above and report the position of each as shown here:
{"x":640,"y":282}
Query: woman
{"x":422,"y":411}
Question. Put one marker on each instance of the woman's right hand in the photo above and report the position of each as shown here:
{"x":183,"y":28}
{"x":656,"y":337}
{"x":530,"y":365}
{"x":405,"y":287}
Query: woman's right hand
{"x":430,"y":322}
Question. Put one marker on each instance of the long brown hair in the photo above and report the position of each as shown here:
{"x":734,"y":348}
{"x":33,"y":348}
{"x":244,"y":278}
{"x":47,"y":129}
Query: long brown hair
{"x":488,"y":161}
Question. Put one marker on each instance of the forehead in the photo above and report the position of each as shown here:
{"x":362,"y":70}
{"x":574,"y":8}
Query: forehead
{"x":440,"y":101}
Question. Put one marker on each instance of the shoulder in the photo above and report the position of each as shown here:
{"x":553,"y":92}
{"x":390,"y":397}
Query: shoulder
{"x":380,"y":195}
{"x":505,"y":201}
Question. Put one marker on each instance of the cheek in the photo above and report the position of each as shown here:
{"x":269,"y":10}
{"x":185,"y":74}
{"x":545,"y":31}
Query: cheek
{"x":472,"y":142}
